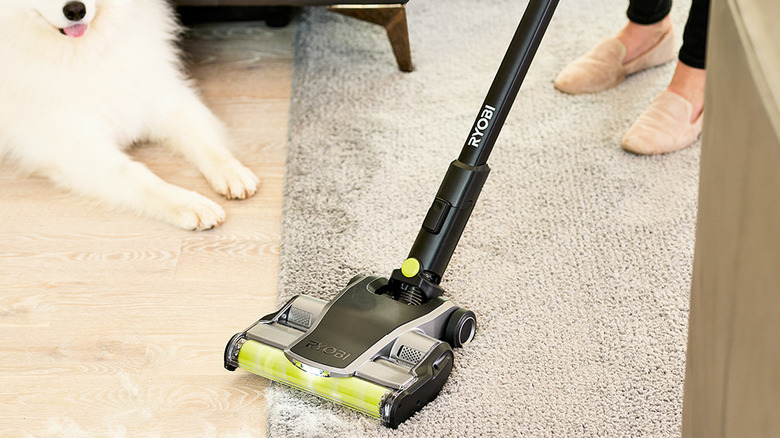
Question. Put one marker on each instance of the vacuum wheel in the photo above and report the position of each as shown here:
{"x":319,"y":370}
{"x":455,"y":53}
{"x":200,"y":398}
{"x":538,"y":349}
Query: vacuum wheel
{"x":460,"y":328}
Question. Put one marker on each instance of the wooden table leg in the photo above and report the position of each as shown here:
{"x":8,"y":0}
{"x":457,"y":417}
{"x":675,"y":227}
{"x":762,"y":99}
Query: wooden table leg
{"x":393,"y":19}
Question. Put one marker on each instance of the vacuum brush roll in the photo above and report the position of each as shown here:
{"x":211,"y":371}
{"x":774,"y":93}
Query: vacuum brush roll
{"x":391,"y":406}
{"x":352,"y":392}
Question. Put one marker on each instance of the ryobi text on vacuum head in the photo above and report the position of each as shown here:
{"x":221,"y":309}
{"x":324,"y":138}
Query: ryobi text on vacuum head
{"x":384,"y":346}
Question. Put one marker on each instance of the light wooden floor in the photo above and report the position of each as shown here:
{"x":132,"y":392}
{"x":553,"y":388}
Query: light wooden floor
{"x":112,"y":324}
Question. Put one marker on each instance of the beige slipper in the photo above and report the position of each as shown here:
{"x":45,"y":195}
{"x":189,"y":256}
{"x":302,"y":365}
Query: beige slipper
{"x":602,"y":67}
{"x":665,"y":127}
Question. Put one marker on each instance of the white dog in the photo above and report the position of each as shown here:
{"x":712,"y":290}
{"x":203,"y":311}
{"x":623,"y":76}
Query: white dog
{"x":82,"y":79}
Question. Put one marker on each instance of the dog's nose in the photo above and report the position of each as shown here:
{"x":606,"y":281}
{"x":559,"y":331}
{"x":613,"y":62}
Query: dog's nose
{"x":74,"y":11}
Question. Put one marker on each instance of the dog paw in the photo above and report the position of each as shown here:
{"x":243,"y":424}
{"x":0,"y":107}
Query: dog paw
{"x":197,"y":213}
{"x":234,"y":181}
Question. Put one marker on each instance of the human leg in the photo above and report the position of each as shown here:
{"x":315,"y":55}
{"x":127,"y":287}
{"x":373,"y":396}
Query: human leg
{"x":648,"y":22}
{"x":690,"y":75}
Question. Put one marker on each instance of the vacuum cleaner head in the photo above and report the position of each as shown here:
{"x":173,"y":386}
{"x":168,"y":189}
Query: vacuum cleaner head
{"x":364,"y":349}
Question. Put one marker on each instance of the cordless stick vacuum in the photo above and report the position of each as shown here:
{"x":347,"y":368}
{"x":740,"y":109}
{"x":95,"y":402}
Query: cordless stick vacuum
{"x":384,"y":346}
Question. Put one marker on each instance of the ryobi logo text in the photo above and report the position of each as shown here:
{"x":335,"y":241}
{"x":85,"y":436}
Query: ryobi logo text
{"x":328,"y":349}
{"x":481,"y":125}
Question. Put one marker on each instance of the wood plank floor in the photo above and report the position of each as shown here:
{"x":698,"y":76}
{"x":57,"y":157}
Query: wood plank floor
{"x":114,"y":325}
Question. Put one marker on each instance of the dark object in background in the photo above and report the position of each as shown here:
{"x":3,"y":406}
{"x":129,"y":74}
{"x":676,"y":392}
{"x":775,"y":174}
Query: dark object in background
{"x":390,"y":14}
{"x":274,"y":16}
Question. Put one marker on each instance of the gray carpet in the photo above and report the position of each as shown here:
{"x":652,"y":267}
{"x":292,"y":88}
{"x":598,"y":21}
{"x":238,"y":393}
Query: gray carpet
{"x":577,"y":259}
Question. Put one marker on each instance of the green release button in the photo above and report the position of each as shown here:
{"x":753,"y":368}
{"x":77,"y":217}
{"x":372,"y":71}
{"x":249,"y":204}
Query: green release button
{"x":410,"y":268}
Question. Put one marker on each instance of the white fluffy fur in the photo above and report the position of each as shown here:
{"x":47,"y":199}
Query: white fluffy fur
{"x":68,"y":106}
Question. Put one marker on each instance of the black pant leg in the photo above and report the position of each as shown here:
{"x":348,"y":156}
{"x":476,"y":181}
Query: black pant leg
{"x":694,"y":46}
{"x":648,"y":11}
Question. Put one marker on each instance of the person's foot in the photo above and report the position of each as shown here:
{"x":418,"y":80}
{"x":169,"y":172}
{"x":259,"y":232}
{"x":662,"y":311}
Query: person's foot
{"x":636,"y":48}
{"x":674,"y":119}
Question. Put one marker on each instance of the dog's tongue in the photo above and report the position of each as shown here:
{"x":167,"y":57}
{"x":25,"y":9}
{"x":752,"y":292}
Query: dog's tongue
{"x":75,"y":31}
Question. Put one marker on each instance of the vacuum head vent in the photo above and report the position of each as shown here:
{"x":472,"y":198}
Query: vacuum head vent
{"x":411,"y":355}
{"x":300,"y":317}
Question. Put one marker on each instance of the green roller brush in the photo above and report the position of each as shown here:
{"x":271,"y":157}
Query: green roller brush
{"x":384,"y":346}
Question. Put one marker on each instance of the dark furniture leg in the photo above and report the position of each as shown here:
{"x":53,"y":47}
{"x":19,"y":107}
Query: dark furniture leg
{"x":393,"y":19}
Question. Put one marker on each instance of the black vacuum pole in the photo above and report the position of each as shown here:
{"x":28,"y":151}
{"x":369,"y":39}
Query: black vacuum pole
{"x":442,"y":227}
{"x":507,"y":82}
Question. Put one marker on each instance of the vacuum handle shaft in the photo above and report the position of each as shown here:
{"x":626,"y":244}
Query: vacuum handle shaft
{"x":457,"y":195}
{"x":506,"y":84}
